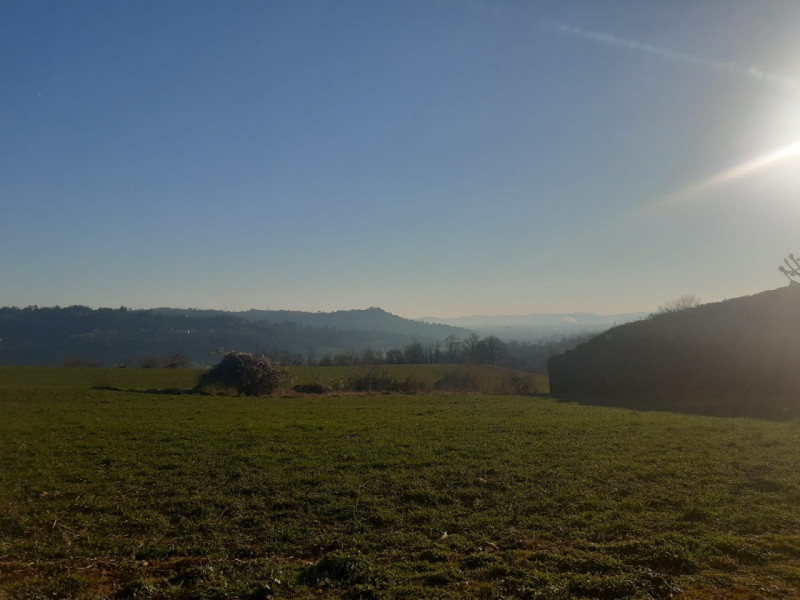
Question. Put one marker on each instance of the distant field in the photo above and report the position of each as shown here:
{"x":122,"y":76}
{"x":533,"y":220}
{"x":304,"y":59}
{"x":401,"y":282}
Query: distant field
{"x":139,"y":495}
{"x":490,"y":379}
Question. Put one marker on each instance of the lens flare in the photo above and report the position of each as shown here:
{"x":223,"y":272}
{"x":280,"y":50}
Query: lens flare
{"x":730,"y":175}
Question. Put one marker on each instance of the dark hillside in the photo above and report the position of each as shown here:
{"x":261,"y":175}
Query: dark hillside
{"x":739,"y":356}
{"x":108,"y":337}
{"x":368,"y":319}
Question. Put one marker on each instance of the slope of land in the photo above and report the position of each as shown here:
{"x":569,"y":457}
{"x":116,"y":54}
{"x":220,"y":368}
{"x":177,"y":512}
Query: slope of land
{"x":127,"y":495}
{"x":733,"y":357}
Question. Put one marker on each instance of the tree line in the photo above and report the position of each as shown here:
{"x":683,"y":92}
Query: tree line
{"x":471,"y":349}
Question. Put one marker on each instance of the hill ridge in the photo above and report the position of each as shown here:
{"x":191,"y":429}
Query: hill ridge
{"x":737,"y":356}
{"x":106,"y":336}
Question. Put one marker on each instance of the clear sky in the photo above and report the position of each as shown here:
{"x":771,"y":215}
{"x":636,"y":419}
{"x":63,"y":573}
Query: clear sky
{"x":429,"y":157}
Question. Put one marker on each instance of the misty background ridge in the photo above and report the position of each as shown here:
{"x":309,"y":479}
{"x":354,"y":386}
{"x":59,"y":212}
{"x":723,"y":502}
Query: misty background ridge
{"x":115,"y":337}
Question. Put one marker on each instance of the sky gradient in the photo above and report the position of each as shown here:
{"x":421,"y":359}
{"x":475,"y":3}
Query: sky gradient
{"x":429,"y":157}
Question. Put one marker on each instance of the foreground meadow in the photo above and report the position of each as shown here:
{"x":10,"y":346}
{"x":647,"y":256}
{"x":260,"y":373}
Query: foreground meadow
{"x":126,"y":494}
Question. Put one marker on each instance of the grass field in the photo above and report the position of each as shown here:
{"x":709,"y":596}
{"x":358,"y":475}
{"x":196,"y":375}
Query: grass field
{"x":489,"y":379}
{"x":118,"y":494}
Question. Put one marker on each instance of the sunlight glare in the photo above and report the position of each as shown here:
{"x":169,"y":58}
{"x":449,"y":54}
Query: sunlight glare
{"x":730,"y":175}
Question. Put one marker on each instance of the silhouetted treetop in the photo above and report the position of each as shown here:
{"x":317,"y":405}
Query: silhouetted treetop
{"x":792,"y":269}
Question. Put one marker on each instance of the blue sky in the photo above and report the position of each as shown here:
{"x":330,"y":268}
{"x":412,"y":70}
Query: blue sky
{"x":429,"y":157}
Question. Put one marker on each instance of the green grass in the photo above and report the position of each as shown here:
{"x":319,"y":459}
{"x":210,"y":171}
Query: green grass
{"x":75,"y":378}
{"x":134,"y":495}
{"x":489,"y":378}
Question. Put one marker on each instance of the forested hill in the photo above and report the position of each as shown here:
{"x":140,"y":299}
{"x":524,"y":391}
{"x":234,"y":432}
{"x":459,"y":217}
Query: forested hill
{"x":369,"y":319}
{"x":739,"y":356}
{"x":52,"y":336}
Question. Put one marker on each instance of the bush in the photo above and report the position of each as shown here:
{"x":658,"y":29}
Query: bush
{"x":148,"y":361}
{"x":248,"y":374}
{"x":176,"y":360}
{"x":457,"y":381}
{"x":516,"y":384}
{"x":412,"y":385}
{"x":374,"y":381}
{"x":311,"y":388}
{"x":685,"y":302}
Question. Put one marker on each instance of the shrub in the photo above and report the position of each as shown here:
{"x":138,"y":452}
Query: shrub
{"x":374,"y":381}
{"x":516,"y":384}
{"x":176,"y":360}
{"x":457,"y":381}
{"x":412,"y":385}
{"x":248,"y":374}
{"x":148,"y":361}
{"x":311,"y":388}
{"x":685,"y":302}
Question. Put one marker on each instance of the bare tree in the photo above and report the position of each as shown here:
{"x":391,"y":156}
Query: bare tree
{"x":370,"y":356}
{"x":453,"y":345}
{"x":433,"y":353}
{"x":176,"y":360}
{"x":414,"y":353}
{"x":793,"y":271}
{"x":493,"y":349}
{"x":471,"y":347}
{"x":685,"y":302}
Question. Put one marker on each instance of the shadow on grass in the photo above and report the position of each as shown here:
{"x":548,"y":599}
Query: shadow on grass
{"x":164,"y":391}
{"x":772,"y":408}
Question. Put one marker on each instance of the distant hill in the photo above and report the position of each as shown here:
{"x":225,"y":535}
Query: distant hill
{"x":368,"y":319}
{"x":537,"y":326}
{"x":50,"y":336}
{"x":737,"y":357}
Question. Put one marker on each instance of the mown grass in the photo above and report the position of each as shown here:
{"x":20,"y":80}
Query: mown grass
{"x":109,"y":494}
